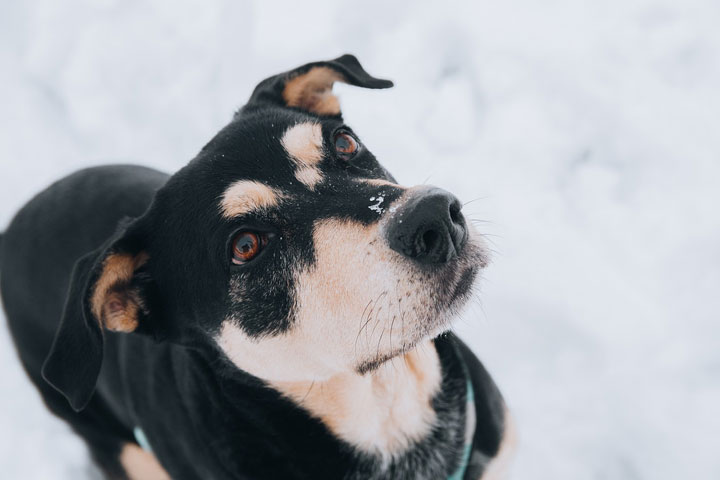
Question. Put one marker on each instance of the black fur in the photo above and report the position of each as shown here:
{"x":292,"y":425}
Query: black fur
{"x":204,"y":417}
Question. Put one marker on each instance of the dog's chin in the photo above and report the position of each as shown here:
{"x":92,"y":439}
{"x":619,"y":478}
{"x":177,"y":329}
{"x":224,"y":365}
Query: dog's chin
{"x":455,"y":288}
{"x":430,"y":333}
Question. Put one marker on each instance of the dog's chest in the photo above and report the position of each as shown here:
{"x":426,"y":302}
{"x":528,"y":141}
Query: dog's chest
{"x":244,"y":428}
{"x":381,"y":412}
{"x":403,"y":420}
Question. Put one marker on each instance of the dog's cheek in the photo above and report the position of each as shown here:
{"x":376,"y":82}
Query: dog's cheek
{"x":258,"y":334}
{"x":356,"y":302}
{"x":282,"y":357}
{"x":261,"y":303}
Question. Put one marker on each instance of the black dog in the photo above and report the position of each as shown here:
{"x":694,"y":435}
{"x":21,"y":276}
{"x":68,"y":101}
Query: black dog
{"x":275,"y":309}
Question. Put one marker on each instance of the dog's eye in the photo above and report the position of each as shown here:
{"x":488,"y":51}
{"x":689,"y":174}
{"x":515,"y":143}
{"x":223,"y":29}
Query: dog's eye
{"x":247,"y":245}
{"x":345,"y":145}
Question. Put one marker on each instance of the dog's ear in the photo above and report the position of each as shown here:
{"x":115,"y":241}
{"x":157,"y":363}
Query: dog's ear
{"x":309,"y":87}
{"x":108,"y":290}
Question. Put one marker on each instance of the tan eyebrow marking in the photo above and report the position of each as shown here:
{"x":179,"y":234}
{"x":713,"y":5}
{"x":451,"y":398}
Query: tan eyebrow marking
{"x":245,"y":196}
{"x":304,"y":143}
{"x":309,"y":176}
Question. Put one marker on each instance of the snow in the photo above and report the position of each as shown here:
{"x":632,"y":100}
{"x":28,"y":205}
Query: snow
{"x":376,"y":206}
{"x":583,"y":134}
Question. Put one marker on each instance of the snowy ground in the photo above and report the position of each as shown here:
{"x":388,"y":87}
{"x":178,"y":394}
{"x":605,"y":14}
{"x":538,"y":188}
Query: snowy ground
{"x":587,"y":133}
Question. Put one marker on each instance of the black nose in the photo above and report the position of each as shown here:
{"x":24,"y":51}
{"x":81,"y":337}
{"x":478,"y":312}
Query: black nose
{"x":429,"y":227}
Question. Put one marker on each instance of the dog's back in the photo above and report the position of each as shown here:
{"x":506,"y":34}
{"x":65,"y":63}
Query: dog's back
{"x":42,"y":243}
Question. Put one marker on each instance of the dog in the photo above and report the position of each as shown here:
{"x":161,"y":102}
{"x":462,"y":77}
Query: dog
{"x":278,"y":308}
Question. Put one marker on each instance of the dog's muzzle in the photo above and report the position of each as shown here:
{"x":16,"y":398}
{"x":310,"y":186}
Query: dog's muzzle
{"x":429,"y":227}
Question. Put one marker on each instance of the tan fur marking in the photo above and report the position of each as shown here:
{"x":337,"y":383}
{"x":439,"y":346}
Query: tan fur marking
{"x":141,"y":465}
{"x":309,"y":176}
{"x":304,"y":143}
{"x":112,"y":302}
{"x":381,"y":411}
{"x":312,"y":91}
{"x":245,"y":196}
{"x":284,"y":357}
{"x":499,"y":466}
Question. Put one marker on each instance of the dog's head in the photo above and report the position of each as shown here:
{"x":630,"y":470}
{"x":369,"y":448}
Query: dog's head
{"x":284,"y":242}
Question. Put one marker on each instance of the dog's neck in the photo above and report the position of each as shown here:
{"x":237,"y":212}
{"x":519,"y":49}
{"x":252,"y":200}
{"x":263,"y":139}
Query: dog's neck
{"x":380,"y":412}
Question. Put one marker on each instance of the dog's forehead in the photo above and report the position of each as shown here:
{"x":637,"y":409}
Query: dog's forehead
{"x":271,"y":146}
{"x":279,"y":160}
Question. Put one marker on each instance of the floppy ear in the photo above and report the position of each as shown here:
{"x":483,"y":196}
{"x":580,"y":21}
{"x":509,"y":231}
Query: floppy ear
{"x":107,"y":290}
{"x":310,"y":87}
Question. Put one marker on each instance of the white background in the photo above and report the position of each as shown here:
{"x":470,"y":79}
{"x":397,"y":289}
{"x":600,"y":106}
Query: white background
{"x":585,"y":132}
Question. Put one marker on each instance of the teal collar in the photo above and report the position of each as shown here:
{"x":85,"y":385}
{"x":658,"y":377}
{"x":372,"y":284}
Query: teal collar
{"x":459,"y":474}
{"x":141,"y":439}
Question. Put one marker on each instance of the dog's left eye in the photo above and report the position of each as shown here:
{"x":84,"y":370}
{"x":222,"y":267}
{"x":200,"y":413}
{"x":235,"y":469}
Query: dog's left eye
{"x":247,"y":245}
{"x":345,"y":145}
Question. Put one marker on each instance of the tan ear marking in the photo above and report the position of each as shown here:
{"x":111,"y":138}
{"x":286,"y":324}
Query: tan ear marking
{"x":114,"y":303}
{"x":312,"y":91}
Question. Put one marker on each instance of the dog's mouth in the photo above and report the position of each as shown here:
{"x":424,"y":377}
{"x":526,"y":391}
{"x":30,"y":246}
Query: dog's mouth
{"x":464,"y":285}
{"x":455,"y":281}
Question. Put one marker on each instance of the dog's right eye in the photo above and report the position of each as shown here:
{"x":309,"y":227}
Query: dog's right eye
{"x":247,"y":245}
{"x":346,"y":146}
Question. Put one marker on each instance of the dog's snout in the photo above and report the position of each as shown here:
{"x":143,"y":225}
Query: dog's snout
{"x":429,"y":228}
